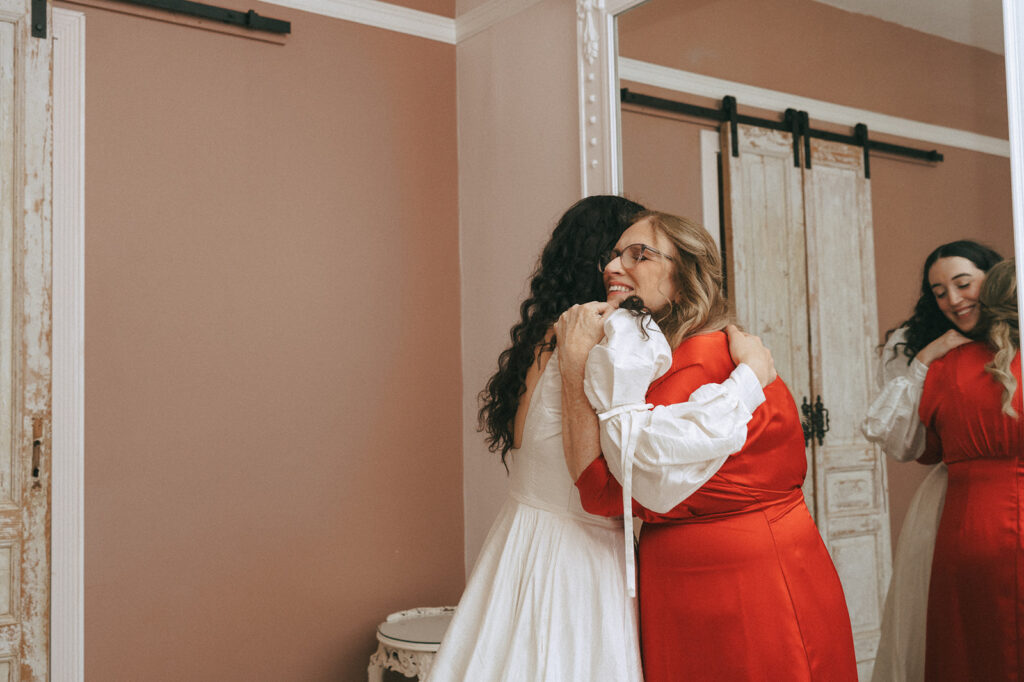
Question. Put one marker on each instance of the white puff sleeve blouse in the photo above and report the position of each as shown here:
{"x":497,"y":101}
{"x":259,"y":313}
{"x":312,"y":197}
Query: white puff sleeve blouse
{"x":660,"y":455}
{"x":892,"y":419}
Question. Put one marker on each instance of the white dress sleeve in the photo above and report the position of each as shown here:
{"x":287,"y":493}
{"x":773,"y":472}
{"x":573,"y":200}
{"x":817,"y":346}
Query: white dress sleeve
{"x":670,"y":450}
{"x":892,"y":419}
{"x":675,"y":448}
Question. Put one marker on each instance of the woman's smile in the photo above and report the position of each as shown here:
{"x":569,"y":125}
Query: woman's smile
{"x":649,"y":278}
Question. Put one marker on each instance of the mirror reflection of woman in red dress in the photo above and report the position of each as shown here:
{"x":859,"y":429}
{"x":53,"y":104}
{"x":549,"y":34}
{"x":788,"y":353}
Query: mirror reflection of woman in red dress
{"x":945,"y":316}
{"x":971,"y":407}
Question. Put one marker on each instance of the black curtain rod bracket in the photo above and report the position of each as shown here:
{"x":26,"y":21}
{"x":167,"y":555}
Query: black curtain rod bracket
{"x":38,"y":18}
{"x":729,"y":112}
{"x":792,"y":120}
{"x":805,"y":130}
{"x":860,"y":131}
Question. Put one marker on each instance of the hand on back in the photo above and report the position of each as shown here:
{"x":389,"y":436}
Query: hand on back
{"x":579,"y":329}
{"x":749,"y":350}
{"x":940,"y":346}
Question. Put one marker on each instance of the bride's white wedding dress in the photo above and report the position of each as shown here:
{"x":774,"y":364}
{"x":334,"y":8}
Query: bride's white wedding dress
{"x":546,"y":599}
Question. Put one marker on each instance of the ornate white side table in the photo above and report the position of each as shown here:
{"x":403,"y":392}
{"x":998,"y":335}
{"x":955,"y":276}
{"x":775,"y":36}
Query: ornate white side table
{"x":408,"y":640}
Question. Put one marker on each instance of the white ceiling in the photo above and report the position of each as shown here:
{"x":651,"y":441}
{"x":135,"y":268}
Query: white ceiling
{"x":974,"y":22}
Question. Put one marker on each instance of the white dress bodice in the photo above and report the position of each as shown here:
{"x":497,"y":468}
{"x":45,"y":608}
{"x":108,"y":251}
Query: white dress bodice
{"x":538,"y":475}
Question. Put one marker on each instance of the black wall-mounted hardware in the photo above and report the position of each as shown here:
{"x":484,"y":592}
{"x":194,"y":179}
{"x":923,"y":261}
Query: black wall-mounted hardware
{"x":250,"y":19}
{"x":797,"y":123}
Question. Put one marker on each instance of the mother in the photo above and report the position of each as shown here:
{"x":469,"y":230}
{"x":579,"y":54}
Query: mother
{"x":735,"y":582}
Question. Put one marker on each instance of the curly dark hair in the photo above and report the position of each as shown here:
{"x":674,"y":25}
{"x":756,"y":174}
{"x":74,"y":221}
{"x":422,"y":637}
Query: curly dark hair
{"x":928,"y":323}
{"x":566,"y":274}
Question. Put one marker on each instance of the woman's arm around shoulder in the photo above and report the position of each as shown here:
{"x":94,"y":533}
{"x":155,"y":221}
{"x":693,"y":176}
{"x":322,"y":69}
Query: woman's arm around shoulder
{"x":892,"y":419}
{"x":671,"y":450}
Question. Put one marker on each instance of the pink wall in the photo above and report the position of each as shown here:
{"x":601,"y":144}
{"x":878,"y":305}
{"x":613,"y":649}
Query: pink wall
{"x":444,"y":8}
{"x":661,"y":164}
{"x":809,"y":49}
{"x":273,"y":362}
{"x":518,"y":172}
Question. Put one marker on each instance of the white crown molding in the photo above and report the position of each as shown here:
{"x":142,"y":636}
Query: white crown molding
{"x":749,"y":95}
{"x":393,"y":17}
{"x":381,"y":15}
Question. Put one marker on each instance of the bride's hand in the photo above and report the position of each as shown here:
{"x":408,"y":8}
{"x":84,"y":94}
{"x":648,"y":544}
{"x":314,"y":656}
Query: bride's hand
{"x":750,"y":350}
{"x":579,"y":329}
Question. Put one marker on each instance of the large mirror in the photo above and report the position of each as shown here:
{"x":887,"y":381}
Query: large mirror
{"x":926,"y":83}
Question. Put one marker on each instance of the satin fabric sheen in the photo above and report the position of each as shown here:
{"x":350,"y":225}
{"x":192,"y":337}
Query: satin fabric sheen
{"x":975,"y":627}
{"x":545,"y":600}
{"x":735,"y":582}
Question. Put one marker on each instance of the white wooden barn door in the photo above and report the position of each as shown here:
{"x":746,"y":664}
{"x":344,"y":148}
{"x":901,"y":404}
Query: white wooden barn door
{"x":26,"y":144}
{"x":853,"y":502}
{"x":801,"y":273}
{"x":766,"y":258}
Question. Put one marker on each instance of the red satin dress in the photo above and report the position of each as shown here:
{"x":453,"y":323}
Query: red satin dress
{"x":975,"y":627}
{"x":735,"y":583}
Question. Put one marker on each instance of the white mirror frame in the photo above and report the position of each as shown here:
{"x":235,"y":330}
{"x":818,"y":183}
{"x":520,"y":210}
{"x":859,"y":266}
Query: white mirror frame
{"x":598,"y":73}
{"x":1013,"y":39}
{"x":600,"y":137}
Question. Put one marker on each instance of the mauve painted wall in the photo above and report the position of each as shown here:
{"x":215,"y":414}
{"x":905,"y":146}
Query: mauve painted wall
{"x":444,"y":8}
{"x":273,"y":362}
{"x":518,"y":172}
{"x":809,"y":49}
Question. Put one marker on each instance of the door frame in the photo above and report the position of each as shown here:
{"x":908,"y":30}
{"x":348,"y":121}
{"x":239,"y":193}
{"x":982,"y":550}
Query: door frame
{"x":67,"y":586}
{"x":1013,"y":40}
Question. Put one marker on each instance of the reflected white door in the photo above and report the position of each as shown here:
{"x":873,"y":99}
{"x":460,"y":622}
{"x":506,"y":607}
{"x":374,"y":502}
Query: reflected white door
{"x":26,"y":143}
{"x":853,"y":508}
{"x":766,"y":256}
{"x":801,"y":273}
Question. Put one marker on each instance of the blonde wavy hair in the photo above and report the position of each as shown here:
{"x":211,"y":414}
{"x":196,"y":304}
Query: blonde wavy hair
{"x":697,"y":275}
{"x":999,"y":326}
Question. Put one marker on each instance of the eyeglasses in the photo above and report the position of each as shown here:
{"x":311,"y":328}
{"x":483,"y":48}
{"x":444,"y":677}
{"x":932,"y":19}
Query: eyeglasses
{"x":630,"y":256}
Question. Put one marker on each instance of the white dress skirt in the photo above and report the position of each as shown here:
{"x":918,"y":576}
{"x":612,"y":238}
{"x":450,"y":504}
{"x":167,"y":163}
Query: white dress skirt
{"x":547,"y":599}
{"x":892,"y":422}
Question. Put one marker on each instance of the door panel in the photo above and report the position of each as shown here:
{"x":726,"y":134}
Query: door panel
{"x":766,"y":260}
{"x":26,"y":143}
{"x":801,"y":274}
{"x":853,"y":507}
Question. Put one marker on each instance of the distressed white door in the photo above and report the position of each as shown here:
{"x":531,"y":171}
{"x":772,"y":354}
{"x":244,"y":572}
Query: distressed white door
{"x":26,"y":143}
{"x":801,"y":273}
{"x":766,"y":259}
{"x":853,"y":503}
